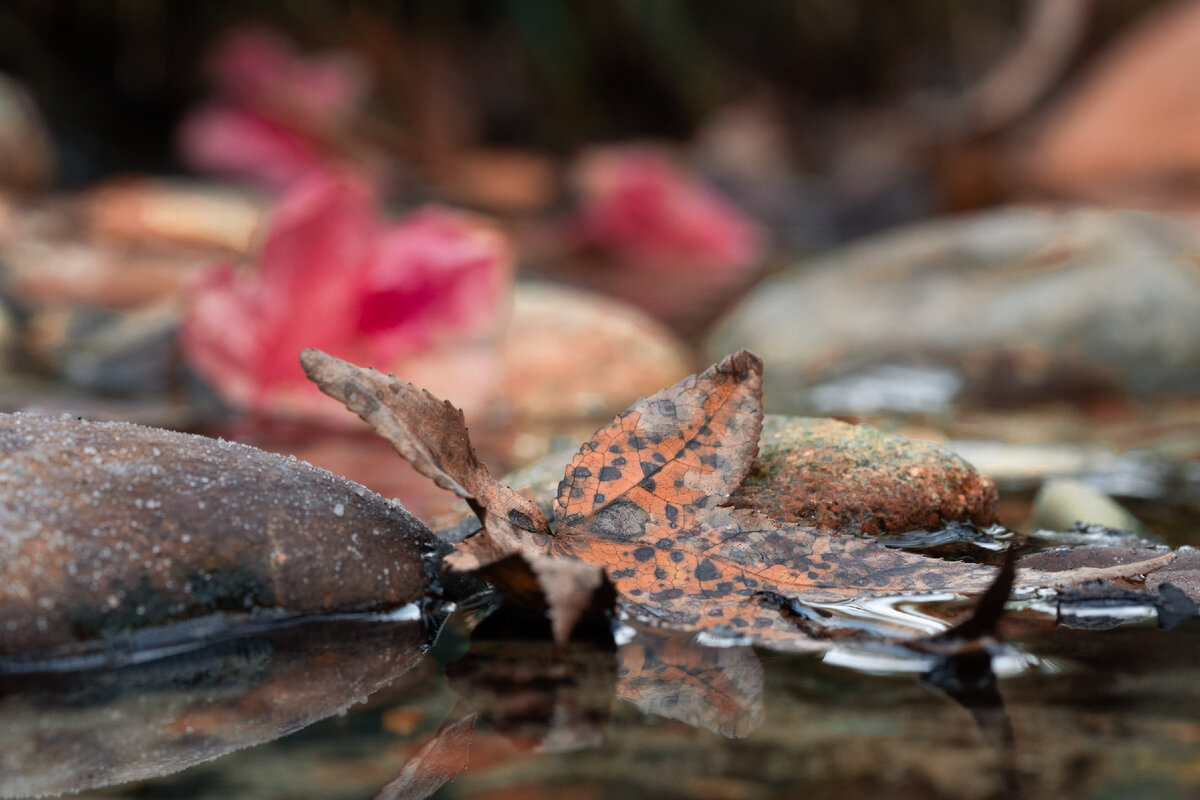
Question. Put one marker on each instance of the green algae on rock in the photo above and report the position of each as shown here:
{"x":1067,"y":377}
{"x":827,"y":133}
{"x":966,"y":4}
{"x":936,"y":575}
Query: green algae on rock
{"x":107,"y":528}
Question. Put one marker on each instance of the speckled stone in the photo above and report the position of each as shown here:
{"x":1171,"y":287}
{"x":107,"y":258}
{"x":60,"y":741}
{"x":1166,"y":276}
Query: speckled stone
{"x":838,"y":477}
{"x":106,"y":528}
{"x":856,"y":479}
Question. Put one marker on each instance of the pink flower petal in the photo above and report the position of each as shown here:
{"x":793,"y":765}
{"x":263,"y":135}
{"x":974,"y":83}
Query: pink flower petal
{"x":636,"y":202}
{"x":408,"y":297}
{"x":437,"y":277}
{"x":226,"y":140}
{"x":257,"y":69}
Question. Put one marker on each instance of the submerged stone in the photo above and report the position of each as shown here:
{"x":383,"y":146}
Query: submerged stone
{"x":107,"y":528}
{"x":1061,"y":503}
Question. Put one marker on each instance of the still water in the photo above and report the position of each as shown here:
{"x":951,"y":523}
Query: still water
{"x":367,"y":707}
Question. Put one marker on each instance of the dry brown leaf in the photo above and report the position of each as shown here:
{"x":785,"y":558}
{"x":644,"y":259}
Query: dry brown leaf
{"x":432,"y":435}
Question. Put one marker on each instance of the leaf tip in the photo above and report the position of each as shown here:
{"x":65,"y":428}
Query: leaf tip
{"x":742,"y":363}
{"x":312,"y":359}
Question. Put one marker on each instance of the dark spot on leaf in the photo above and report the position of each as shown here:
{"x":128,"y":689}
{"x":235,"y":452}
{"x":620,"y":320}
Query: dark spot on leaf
{"x":581,"y":472}
{"x":693,"y":444}
{"x":598,"y":499}
{"x":619,"y":461}
{"x":621,"y":519}
{"x":666,"y":408}
{"x":704,"y":430}
{"x":707,"y":571}
{"x":666,"y":594}
{"x":672,"y":513}
{"x":676,"y":556}
{"x":648,"y":484}
{"x":609,"y":474}
{"x":665,"y":543}
{"x":644,"y":554}
{"x":648,"y":469}
{"x":659,"y":457}
{"x":572,"y":520}
{"x":660,"y":573}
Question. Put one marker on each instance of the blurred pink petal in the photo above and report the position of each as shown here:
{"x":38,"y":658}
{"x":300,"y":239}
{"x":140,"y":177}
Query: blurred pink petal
{"x":227,"y":140}
{"x":438,"y":275}
{"x":276,"y":115}
{"x":418,"y":293}
{"x":256,"y":69}
{"x":638,"y":204}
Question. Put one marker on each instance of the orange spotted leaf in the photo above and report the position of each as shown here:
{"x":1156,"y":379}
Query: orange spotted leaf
{"x":667,"y":456}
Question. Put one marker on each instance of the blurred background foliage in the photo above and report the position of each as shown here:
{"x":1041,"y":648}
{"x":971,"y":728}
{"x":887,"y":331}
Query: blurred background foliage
{"x":114,"y":78}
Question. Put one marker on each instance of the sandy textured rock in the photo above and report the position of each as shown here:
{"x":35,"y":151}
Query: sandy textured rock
{"x":1007,"y":306}
{"x":856,"y":479}
{"x":109,"y":527}
{"x":835,"y":476}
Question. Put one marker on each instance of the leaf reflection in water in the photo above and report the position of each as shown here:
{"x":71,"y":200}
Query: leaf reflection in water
{"x":672,"y":675}
{"x":72,"y":731}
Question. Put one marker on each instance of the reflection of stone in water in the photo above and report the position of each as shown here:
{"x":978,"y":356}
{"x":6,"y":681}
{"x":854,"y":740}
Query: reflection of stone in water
{"x":671,"y":675}
{"x":64,"y":732}
{"x":538,"y":695}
